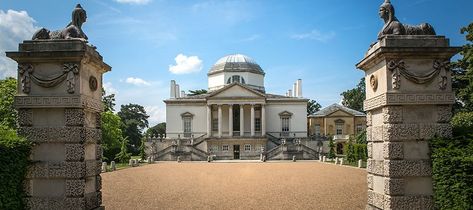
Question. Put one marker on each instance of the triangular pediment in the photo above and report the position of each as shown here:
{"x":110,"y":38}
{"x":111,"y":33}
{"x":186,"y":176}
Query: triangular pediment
{"x":340,"y":113}
{"x":236,"y":90}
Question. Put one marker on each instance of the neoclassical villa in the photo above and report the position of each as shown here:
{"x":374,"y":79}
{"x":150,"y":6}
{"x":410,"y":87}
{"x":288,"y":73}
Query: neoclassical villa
{"x":235,"y":119}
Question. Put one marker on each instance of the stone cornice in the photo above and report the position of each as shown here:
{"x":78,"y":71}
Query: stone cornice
{"x":408,"y":99}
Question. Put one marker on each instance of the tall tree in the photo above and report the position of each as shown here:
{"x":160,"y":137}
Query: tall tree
{"x":159,"y":129}
{"x":123,"y":156}
{"x":354,"y":98}
{"x":111,"y":135}
{"x":312,"y":107}
{"x":197,"y":92}
{"x":463,"y":73}
{"x":8,"y":113}
{"x":108,"y":101}
{"x":134,"y":119}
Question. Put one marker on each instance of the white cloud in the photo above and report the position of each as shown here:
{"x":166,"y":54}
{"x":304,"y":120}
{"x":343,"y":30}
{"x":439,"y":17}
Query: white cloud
{"x":15,"y":26}
{"x":315,"y":35}
{"x":140,"y":2}
{"x":156,"y":115}
{"x":109,"y":89}
{"x":251,"y":38}
{"x":185,"y":64}
{"x":137,"y":81}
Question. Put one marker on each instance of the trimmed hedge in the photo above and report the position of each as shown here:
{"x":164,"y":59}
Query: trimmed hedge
{"x":14,"y":152}
{"x":452,"y":172}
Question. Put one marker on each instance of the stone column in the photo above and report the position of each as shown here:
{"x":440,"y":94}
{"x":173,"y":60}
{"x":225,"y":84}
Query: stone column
{"x":230,"y":119}
{"x":252,"y":120}
{"x":242,"y":120}
{"x":219,"y":120}
{"x":209,"y":120}
{"x":59,"y":105}
{"x":263,"y":120}
{"x":408,"y":101}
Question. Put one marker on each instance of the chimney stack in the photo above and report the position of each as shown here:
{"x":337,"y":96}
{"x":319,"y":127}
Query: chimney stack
{"x":173,"y":89}
{"x":289,"y":93}
{"x":299,"y":88}
{"x":183,"y":94}
{"x":294,"y":89}
{"x":177,"y":90}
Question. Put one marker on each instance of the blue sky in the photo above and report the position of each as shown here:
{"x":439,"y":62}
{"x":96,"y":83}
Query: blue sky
{"x":317,"y":41}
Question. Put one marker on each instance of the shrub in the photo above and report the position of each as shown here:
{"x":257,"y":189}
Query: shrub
{"x":331,"y":145}
{"x":462,"y":123}
{"x":452,"y":172}
{"x":14,"y":153}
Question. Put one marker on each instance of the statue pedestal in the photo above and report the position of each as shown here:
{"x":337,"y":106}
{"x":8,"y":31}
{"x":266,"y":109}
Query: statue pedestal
{"x":408,"y":101}
{"x":59,"y":105}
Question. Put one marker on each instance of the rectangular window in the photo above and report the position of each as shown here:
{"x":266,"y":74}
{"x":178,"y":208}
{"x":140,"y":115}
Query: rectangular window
{"x":225,"y":148}
{"x":187,"y":126}
{"x":214,"y":124}
{"x":339,"y":129}
{"x":247,"y":147}
{"x":317,"y":130}
{"x":285,"y":126}
{"x":257,"y":124}
{"x":359,"y":128}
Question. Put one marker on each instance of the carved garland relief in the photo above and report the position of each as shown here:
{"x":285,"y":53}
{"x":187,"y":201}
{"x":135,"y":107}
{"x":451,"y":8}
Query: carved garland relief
{"x":26,"y":71}
{"x":398,"y":68}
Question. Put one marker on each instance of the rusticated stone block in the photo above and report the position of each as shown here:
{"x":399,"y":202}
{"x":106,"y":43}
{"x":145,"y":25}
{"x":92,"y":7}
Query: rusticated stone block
{"x":375,"y":166}
{"x":93,"y":200}
{"x":93,"y":136}
{"x":444,"y":113}
{"x":402,"y":168}
{"x":25,"y":117}
{"x":98,"y":152}
{"x":93,"y":167}
{"x":370,"y":150}
{"x":370,"y":181}
{"x":75,"y":203}
{"x":75,"y":170}
{"x":37,"y":170}
{"x":53,"y":134}
{"x":369,"y":119}
{"x":74,"y":152}
{"x":375,"y":199}
{"x":27,"y":187}
{"x":98,"y":120}
{"x":44,"y":169}
{"x":370,"y":207}
{"x":377,"y":134}
{"x":368,"y":134}
{"x":400,"y":132}
{"x":74,"y":117}
{"x":392,"y":114}
{"x":75,"y":187}
{"x":408,"y":202}
{"x":56,"y":169}
{"x":444,"y":130}
{"x":393,"y":186}
{"x":37,"y":203}
{"x":427,"y":131}
{"x":98,"y":182}
{"x":393,"y":150}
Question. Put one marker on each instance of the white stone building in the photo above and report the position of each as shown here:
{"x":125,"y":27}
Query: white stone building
{"x":236,"y":119}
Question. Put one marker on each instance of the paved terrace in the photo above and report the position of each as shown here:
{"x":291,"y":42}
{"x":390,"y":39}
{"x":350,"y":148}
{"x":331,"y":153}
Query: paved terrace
{"x":242,"y":185}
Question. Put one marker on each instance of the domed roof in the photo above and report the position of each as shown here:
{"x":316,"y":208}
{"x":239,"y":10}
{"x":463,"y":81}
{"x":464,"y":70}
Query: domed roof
{"x":236,"y":63}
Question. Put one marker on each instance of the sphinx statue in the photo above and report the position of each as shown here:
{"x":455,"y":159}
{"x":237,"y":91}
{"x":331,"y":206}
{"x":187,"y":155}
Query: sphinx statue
{"x":72,"y":31}
{"x":392,"y":26}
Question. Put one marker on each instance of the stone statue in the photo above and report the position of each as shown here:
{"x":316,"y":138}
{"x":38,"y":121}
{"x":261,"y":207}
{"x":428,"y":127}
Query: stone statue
{"x":72,"y":31}
{"x":392,"y":26}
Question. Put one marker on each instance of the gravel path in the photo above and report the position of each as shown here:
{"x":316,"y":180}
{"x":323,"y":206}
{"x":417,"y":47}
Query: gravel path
{"x":277,"y":185}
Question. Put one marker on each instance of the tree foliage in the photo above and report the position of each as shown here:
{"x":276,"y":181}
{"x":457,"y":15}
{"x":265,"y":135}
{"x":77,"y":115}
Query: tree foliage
{"x":331,"y":146}
{"x":134,"y":120}
{"x":143,"y":149}
{"x":312,"y":107}
{"x":108,"y":101}
{"x":111,"y":135}
{"x":8,"y":113}
{"x":197,"y":92}
{"x":354,"y":98}
{"x":123,"y":156}
{"x":14,"y":153}
{"x":157,"y":130}
{"x":462,"y":70}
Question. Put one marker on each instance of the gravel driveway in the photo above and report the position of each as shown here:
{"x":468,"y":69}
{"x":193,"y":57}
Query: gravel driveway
{"x":201,"y":185}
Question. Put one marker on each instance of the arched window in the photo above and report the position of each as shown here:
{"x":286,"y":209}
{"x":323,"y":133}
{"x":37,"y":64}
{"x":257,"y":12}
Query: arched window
{"x":236,"y":78}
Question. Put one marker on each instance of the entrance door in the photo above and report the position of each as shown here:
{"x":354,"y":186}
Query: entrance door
{"x":236,"y":152}
{"x":236,"y":118}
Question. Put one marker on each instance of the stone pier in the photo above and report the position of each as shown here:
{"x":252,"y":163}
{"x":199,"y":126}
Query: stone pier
{"x":408,"y":101}
{"x":59,"y":105}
